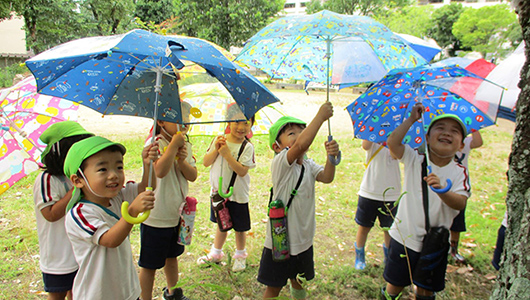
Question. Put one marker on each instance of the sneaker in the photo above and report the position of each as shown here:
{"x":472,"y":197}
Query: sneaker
{"x":240,"y":263}
{"x":210,"y":259}
{"x":177,"y":294}
{"x":360,"y":262}
{"x":457,"y":256}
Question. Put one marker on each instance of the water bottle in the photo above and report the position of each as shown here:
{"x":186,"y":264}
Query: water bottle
{"x":279,"y":234}
{"x":187,"y":219}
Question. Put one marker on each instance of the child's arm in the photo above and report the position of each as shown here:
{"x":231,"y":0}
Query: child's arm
{"x":366,"y":145}
{"x":452,"y":199}
{"x":189,"y":172}
{"x":232,"y":161}
{"x":165,"y":162}
{"x":56,"y":211}
{"x":328,"y":174}
{"x":149,"y":153}
{"x":396,"y":137}
{"x":211,"y":155}
{"x":305,"y":139}
{"x":476,"y":142}
{"x":119,"y":232}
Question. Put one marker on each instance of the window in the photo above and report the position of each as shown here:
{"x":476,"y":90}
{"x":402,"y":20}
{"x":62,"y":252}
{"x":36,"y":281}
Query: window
{"x":303,"y":4}
{"x":289,"y":5}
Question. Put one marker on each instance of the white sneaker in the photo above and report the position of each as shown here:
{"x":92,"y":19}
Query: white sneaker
{"x":240,"y":263}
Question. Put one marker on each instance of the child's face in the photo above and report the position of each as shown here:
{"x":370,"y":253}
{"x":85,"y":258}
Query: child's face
{"x":289,"y":136}
{"x":104,"y":172}
{"x":445,"y":137}
{"x":239,"y":129}
{"x":173,"y":128}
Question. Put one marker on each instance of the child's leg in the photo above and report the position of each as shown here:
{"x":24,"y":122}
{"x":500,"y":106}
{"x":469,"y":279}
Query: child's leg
{"x":362,"y":236}
{"x":171,"y":270}
{"x":240,"y":256}
{"x":297,"y":290}
{"x":57,"y":296}
{"x":424,"y":294}
{"x":393,"y":290}
{"x":220,"y":239}
{"x":241,"y":240}
{"x":272,"y":292}
{"x":147,"y":279}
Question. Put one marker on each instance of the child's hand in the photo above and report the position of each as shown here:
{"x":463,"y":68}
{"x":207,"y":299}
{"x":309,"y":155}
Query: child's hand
{"x":325,"y":111}
{"x":433,"y":180}
{"x":332,"y":148}
{"x":219,"y":142}
{"x":150,"y":153}
{"x":224,"y":151}
{"x":182,"y":153}
{"x":417,"y":111}
{"x":143,"y":202}
{"x":178,"y":140}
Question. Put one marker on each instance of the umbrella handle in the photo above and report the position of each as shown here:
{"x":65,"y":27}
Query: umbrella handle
{"x":230,"y":189}
{"x":132,"y":220}
{"x":441,"y":190}
{"x":335,"y":160}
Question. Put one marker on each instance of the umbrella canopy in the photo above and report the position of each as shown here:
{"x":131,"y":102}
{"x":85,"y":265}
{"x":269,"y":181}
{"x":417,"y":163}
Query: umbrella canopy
{"x":24,"y":116}
{"x":360,"y":49}
{"x":427,"y":49}
{"x":127,"y":74}
{"x":507,"y":74}
{"x":387,"y":103}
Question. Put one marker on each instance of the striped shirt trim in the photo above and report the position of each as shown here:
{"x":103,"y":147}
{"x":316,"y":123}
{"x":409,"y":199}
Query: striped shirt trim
{"x":46,"y":187}
{"x":81,"y":221}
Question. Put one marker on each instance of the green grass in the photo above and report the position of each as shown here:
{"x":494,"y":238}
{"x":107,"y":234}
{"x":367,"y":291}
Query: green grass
{"x":336,"y":278}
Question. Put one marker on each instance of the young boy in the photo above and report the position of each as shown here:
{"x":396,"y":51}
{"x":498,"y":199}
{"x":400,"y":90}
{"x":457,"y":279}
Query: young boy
{"x":98,"y":233}
{"x":444,"y":138}
{"x":290,"y":139}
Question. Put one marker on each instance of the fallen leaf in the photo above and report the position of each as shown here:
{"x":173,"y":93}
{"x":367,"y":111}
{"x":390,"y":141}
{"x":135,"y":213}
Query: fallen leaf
{"x":491,"y":276}
{"x":451,"y":268}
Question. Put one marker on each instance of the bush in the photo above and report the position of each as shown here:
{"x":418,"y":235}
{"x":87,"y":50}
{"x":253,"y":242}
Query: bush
{"x":7,"y":74}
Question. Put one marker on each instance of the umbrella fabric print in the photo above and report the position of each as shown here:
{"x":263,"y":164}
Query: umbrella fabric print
{"x":387,"y":103}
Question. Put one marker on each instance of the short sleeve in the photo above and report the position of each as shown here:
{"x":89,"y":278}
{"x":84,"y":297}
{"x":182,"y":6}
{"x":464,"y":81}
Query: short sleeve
{"x":247,"y":158}
{"x":85,"y":222}
{"x":190,"y":159}
{"x":47,"y":190}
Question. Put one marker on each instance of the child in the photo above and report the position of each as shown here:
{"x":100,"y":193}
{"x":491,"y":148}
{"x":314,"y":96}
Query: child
{"x":290,"y":139}
{"x":51,"y":192}
{"x":159,"y":233}
{"x":380,"y":188}
{"x":222,"y":156}
{"x":459,"y":223}
{"x":445,"y":136}
{"x":98,"y":233}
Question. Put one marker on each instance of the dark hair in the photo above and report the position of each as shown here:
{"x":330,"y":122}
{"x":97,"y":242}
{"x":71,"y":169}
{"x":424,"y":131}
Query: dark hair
{"x":286,"y":126}
{"x":54,"y":160}
{"x":112,"y":148}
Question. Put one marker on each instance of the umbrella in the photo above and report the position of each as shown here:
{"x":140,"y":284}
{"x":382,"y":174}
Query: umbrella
{"x":507,"y":74}
{"x":130,"y":74}
{"x":427,"y":49}
{"x":388,"y":102}
{"x":213,"y":99}
{"x":358,"y":49}
{"x":24,"y":116}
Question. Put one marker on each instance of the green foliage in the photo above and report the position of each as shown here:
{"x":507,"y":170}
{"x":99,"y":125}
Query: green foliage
{"x":413,"y":20}
{"x":487,"y":29}
{"x":356,"y":7}
{"x":227,"y":22}
{"x":108,"y":17}
{"x":8,"y":73}
{"x":154,"y":10}
{"x":441,"y":27}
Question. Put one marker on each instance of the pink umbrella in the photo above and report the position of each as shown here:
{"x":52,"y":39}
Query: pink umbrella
{"x":24,"y":116}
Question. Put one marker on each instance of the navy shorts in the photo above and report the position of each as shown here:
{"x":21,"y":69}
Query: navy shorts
{"x":275,"y":274}
{"x":58,"y":283}
{"x":459,"y":222}
{"x":239,"y":214}
{"x":397,"y":270}
{"x":499,"y":247}
{"x":157,"y":244}
{"x":368,"y":210}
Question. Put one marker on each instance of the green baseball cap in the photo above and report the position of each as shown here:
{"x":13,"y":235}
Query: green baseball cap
{"x":59,"y":131}
{"x":450,"y":116}
{"x":279,"y":125}
{"x":81,"y":151}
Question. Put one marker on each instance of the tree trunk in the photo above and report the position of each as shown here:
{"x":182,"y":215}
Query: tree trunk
{"x":514,"y":276}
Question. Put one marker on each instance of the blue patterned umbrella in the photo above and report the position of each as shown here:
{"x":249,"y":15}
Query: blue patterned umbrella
{"x":384,"y":106}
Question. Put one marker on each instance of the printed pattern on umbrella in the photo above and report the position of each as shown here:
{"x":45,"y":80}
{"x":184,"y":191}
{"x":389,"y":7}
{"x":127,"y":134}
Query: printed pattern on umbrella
{"x":25,"y":116}
{"x":384,"y":106}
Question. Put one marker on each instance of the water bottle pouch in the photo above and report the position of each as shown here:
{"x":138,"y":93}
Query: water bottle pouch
{"x":221,"y":212}
{"x":280,"y":237}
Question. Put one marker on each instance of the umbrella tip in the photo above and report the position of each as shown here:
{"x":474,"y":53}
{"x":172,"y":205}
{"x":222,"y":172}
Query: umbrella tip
{"x":23,"y":64}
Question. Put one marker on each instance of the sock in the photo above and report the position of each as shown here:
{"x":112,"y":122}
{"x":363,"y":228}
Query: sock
{"x":215,"y":251}
{"x":241,"y":252}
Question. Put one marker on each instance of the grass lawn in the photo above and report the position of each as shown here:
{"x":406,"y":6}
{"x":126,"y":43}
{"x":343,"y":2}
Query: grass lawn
{"x":336,"y":278}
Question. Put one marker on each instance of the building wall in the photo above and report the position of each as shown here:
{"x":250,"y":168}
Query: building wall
{"x":12,"y":36}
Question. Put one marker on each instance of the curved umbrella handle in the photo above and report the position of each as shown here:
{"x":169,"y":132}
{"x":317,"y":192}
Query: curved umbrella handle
{"x":220,"y":191}
{"x":441,"y":190}
{"x":132,"y":220}
{"x":335,"y":160}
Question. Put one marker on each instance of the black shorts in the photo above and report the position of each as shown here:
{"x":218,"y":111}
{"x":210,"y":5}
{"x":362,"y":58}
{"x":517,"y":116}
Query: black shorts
{"x":368,"y":210}
{"x":397,"y":270}
{"x":498,"y":248}
{"x":459,"y":222}
{"x":276,"y":274}
{"x":239,"y":214}
{"x":58,"y":283}
{"x":157,"y":244}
